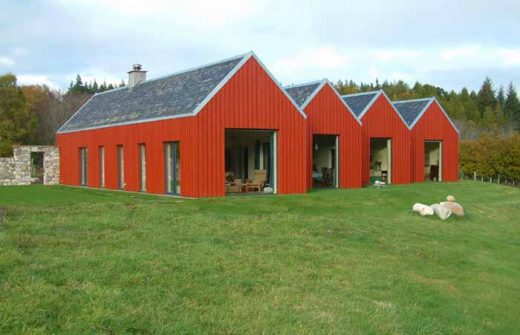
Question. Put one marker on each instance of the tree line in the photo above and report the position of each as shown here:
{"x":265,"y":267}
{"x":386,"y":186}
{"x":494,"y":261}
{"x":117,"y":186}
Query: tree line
{"x":31,"y":114}
{"x":487,"y":111}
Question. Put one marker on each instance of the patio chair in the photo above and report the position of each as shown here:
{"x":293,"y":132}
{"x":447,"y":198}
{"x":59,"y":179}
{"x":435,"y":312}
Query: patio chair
{"x":258,"y":182}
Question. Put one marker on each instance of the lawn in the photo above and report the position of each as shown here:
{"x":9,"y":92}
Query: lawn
{"x":335,"y":261}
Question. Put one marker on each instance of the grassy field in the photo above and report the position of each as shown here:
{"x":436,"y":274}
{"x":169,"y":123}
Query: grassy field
{"x":336,"y":261}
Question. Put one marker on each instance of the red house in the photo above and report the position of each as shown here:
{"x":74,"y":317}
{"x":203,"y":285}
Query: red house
{"x":385,"y":138}
{"x":220,"y":128}
{"x":435,"y":140}
{"x":334,"y":136}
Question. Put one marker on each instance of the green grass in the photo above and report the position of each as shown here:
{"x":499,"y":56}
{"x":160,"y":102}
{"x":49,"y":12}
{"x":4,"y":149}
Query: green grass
{"x":336,"y":261}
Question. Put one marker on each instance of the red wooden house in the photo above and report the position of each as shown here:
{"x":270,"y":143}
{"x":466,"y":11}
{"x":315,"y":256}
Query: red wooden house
{"x":334,"y":136}
{"x":385,"y":139}
{"x":223,"y":127}
{"x":434,"y":140}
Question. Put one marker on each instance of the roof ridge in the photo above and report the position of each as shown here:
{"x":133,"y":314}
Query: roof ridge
{"x":361,"y":93}
{"x":412,"y":100}
{"x":180,"y":72}
{"x":304,"y":84}
{"x":198,"y":67}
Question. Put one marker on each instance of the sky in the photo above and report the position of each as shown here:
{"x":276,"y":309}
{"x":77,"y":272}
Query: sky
{"x":452,"y":44}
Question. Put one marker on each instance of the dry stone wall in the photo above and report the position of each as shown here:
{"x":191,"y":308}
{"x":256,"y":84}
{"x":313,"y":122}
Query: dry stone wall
{"x":16,"y":170}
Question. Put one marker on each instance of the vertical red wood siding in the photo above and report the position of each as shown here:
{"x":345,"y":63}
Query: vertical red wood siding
{"x":434,"y":126}
{"x":249,"y":100}
{"x":382,"y":121}
{"x":327,"y":115}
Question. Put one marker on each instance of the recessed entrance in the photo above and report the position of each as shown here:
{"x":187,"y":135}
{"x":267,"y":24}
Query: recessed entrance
{"x":433,"y":160}
{"x":381,"y":160}
{"x":324,"y":161}
{"x":37,"y":169}
{"x":250,"y":161}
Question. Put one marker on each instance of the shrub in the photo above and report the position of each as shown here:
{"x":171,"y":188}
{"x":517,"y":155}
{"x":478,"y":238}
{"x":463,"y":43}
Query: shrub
{"x":491,"y":156}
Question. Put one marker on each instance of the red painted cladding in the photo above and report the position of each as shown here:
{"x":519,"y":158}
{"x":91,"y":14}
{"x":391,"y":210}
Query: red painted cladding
{"x":327,"y":115}
{"x":382,"y":121}
{"x":249,"y":100}
{"x":435,"y":126}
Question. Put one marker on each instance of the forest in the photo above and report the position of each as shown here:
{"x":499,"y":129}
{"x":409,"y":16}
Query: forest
{"x":489,"y":117}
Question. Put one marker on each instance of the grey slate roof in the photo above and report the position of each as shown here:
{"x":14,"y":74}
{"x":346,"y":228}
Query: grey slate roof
{"x":169,"y":96}
{"x":359,"y":101}
{"x":411,"y":109}
{"x":300,"y":93}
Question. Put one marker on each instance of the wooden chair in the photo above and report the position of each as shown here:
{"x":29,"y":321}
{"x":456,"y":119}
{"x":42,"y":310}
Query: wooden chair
{"x":258,"y":182}
{"x":232,"y":185}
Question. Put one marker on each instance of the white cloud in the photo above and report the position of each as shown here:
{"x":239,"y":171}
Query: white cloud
{"x":320,"y":58}
{"x":31,"y":79}
{"x":510,"y":57}
{"x":385,"y":55}
{"x":460,"y":53}
{"x":6,"y":61}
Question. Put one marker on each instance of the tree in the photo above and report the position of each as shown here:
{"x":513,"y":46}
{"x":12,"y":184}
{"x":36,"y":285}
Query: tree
{"x":501,"y":98}
{"x":512,"y":106}
{"x":486,"y":96}
{"x":16,"y":120}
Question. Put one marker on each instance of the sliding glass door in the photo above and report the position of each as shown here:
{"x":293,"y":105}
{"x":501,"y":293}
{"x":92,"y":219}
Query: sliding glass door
{"x":172,"y":168}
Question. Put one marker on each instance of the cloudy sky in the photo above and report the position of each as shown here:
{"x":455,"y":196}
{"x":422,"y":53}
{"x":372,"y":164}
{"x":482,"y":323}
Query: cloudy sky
{"x":452,"y":43}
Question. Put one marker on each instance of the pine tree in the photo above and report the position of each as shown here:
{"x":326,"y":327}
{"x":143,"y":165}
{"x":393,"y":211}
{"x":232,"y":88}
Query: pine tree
{"x":501,"y":97}
{"x":512,"y":106}
{"x":122,"y":84}
{"x":486,"y":96}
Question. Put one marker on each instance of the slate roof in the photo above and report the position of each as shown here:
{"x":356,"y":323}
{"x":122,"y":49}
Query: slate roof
{"x":169,"y":96}
{"x":411,"y":109}
{"x":300,"y":93}
{"x":359,"y":101}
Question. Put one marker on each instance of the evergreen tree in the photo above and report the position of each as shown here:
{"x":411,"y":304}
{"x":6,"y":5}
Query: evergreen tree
{"x":486,"y":96}
{"x":512,"y":106}
{"x":501,"y":97}
{"x":122,"y":83}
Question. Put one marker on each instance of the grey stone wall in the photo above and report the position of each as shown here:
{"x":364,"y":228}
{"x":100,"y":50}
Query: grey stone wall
{"x":16,"y":170}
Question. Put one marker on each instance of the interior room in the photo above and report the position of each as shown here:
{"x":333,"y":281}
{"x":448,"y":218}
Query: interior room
{"x":381,"y":160}
{"x":433,"y":161}
{"x":250,"y":161}
{"x":324,"y":161}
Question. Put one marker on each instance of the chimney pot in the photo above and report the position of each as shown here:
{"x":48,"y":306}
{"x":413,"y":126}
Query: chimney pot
{"x":136,"y":75}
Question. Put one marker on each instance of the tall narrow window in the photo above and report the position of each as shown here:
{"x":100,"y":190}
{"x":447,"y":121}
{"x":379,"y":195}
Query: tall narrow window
{"x":120,"y":167}
{"x":142,"y":167}
{"x":83,"y":166}
{"x":172,"y":167}
{"x":101,"y":167}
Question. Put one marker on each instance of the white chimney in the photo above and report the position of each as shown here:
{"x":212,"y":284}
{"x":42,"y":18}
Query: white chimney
{"x":136,"y":76}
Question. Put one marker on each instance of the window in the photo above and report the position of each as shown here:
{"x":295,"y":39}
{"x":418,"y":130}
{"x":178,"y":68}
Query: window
{"x":142,"y":167}
{"x":120,"y":167}
{"x":172,"y":168}
{"x":83,"y":166}
{"x":101,"y":166}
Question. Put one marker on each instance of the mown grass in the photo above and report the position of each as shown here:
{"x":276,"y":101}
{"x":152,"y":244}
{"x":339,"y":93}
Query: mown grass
{"x":338,"y":261}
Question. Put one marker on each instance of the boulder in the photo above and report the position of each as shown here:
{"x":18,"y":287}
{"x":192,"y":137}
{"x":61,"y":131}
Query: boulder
{"x":422,"y":209}
{"x":441,"y":211}
{"x":454,"y":207}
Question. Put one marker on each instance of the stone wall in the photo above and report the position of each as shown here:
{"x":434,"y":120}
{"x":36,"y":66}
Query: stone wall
{"x":16,"y":170}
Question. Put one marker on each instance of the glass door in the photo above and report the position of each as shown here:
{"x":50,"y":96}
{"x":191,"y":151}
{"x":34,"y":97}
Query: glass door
{"x":172,"y":168}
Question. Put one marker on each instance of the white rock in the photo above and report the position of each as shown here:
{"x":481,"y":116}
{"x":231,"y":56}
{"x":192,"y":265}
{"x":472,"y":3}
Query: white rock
{"x":422,"y":209}
{"x":441,"y":211}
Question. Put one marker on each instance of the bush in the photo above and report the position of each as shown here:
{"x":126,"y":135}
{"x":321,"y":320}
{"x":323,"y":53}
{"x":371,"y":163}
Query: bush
{"x":491,"y":156}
